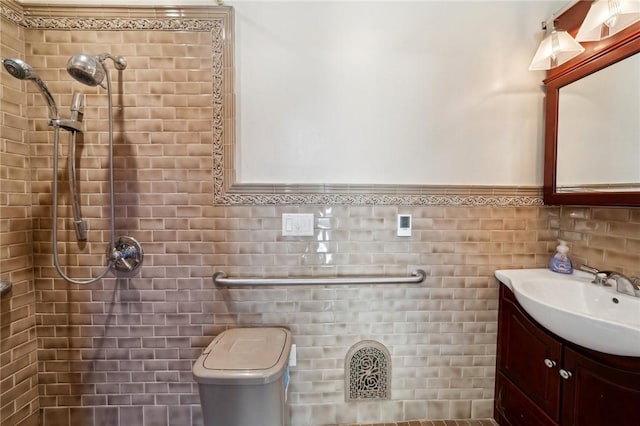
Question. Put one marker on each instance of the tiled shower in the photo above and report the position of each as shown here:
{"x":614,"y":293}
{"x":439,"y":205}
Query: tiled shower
{"x":120,"y":351}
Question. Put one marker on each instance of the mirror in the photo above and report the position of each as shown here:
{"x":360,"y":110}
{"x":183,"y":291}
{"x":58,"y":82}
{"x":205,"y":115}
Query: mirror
{"x":592,"y":129}
{"x":599,"y":130}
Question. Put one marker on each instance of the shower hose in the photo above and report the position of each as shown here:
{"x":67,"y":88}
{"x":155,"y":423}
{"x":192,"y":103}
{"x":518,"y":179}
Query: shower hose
{"x":54,"y":238}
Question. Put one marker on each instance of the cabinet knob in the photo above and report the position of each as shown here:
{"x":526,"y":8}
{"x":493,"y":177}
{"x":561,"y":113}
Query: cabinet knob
{"x":549,"y":363}
{"x":565,"y":374}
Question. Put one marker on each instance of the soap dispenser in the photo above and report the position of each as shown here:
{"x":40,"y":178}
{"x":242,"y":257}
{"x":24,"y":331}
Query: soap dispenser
{"x":560,"y":261}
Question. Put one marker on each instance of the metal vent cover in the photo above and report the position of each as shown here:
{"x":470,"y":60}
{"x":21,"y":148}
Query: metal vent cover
{"x":368,"y":372}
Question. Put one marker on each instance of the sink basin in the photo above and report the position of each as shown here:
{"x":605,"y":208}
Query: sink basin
{"x":583,"y":313}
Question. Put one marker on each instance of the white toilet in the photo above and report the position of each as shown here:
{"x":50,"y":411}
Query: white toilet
{"x":243,"y":377}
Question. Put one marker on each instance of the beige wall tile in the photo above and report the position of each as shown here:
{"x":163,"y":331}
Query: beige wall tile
{"x":605,"y":238}
{"x":18,"y":345}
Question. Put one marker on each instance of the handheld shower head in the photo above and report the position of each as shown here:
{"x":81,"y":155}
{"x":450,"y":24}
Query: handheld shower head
{"x":19,"y":69}
{"x":90,"y":70}
{"x":23,"y":71}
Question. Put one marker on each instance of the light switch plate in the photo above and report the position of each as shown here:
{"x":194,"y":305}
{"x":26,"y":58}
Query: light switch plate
{"x":297,"y":224}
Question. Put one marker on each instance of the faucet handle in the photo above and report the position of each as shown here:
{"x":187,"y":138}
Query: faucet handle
{"x":589,"y":269}
{"x":596,"y":271}
{"x":601,"y":279}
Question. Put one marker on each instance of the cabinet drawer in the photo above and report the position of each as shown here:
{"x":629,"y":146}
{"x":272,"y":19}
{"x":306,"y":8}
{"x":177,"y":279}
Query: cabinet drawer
{"x":514,"y":408}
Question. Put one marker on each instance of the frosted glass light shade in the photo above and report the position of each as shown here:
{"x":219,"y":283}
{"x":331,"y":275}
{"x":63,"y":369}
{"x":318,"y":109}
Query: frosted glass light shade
{"x":608,"y":17}
{"x":555,"y":49}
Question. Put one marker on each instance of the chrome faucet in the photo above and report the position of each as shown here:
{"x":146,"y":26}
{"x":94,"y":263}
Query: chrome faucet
{"x":601,"y":277}
{"x":624,"y":284}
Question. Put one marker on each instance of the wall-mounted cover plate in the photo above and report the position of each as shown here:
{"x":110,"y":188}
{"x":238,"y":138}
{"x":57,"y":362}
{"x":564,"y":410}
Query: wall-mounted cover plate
{"x":404,"y":225}
{"x":297,"y":224}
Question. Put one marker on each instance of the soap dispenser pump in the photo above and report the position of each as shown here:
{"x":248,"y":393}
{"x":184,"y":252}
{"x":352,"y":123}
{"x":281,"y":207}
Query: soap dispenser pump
{"x":560,"y":261}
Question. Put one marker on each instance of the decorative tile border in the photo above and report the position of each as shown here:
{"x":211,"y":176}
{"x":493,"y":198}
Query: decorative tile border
{"x":219,"y":20}
{"x":11,"y":11}
{"x":122,"y":24}
{"x":377,"y":199}
{"x":49,"y":19}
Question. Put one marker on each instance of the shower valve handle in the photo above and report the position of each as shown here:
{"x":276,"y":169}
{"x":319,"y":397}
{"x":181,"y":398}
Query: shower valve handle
{"x":127,"y":255}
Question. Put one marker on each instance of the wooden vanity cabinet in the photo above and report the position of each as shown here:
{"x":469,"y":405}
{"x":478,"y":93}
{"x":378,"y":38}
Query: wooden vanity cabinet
{"x":527,"y":390}
{"x":596,"y":390}
{"x":599,"y":393}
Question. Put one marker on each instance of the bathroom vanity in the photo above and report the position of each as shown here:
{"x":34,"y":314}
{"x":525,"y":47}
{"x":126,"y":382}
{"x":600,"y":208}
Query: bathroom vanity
{"x":542,"y":379}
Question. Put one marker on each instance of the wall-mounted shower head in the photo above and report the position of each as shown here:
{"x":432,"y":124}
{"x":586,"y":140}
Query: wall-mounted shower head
{"x":90,"y":69}
{"x":23,"y":71}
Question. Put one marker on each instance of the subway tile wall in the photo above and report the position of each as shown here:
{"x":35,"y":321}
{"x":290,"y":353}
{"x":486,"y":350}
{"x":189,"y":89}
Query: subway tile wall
{"x":120,"y":351}
{"x":18,"y":344}
{"x":606,"y":238}
{"x":125,"y":347}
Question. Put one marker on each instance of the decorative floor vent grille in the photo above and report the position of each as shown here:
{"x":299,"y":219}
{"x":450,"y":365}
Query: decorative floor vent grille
{"x":368,"y":374}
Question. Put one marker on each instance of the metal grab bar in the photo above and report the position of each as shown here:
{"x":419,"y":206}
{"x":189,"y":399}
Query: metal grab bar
{"x":221,"y":279}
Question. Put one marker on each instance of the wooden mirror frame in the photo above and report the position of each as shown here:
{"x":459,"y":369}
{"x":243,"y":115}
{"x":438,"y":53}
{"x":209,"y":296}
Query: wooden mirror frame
{"x":597,"y":55}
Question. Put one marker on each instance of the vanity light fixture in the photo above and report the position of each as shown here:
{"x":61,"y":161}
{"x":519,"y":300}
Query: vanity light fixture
{"x":555,"y":49}
{"x":608,"y":17}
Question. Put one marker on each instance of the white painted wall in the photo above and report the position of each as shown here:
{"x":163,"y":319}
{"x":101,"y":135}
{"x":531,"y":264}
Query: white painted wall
{"x":389,"y":92}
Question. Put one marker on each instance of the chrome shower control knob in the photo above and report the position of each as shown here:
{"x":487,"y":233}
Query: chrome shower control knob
{"x":127,"y":256}
{"x":549,"y":363}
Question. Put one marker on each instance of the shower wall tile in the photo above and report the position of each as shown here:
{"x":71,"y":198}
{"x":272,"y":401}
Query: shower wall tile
{"x":18,"y":343}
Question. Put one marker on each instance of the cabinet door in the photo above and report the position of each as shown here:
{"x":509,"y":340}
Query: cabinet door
{"x":524,"y":351}
{"x":599,"y":395}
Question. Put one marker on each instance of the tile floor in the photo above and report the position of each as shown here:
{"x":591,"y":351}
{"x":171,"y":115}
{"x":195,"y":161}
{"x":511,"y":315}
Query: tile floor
{"x":481,"y":422}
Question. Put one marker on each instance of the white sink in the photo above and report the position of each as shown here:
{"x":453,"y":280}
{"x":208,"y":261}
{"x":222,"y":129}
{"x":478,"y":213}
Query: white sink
{"x":570,"y":306}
